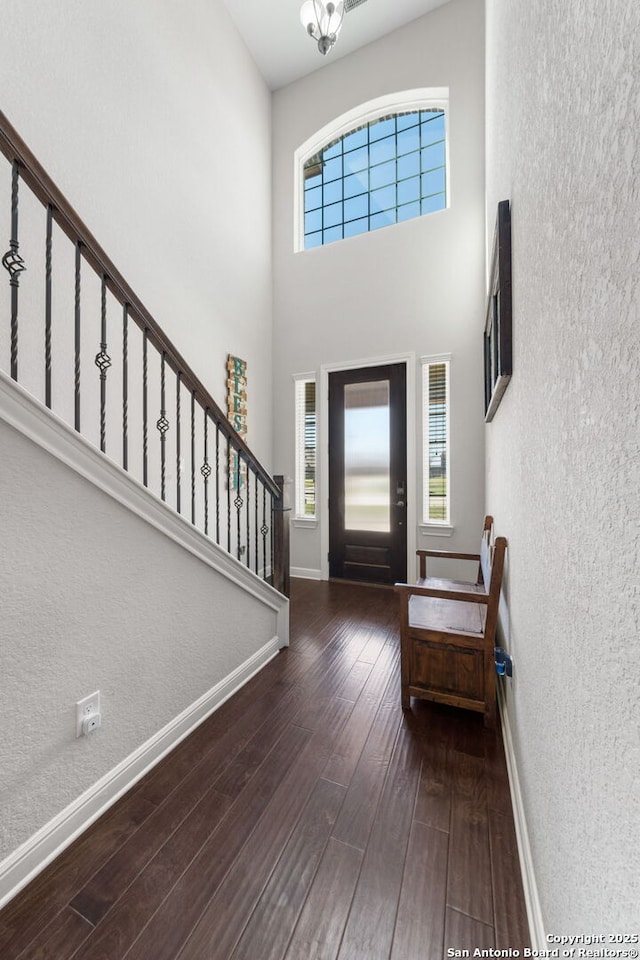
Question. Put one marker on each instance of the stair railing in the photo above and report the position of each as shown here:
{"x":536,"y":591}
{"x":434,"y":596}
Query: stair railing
{"x":121,"y":383}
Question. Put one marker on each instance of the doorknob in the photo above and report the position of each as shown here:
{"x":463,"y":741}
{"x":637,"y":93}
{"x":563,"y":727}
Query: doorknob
{"x":400,"y":503}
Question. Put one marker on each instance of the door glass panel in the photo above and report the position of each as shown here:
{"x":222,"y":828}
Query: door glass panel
{"x":366,"y":456}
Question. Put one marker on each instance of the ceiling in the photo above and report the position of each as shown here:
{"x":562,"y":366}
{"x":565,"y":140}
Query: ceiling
{"x":283,"y":52}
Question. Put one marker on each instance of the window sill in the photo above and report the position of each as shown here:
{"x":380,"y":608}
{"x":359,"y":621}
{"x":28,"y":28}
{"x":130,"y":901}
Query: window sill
{"x":309,"y":522}
{"x":436,"y":529}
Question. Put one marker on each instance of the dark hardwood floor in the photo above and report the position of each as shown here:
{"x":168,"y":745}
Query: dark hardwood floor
{"x":307,"y":818}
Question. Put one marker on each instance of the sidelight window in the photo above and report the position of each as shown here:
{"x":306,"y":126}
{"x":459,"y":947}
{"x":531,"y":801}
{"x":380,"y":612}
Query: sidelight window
{"x":435,"y":443}
{"x":305,"y":447}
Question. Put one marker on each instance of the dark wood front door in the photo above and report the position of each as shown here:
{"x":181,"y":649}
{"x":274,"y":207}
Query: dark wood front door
{"x":368,"y":474}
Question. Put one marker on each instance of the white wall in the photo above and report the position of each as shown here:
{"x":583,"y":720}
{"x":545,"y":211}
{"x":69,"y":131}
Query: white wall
{"x":155,"y":123}
{"x":94,"y":597}
{"x":563,"y":466}
{"x":414,"y":287}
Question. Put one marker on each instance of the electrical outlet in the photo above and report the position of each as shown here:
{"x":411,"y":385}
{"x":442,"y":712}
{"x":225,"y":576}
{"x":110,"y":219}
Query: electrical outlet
{"x":91,"y":723}
{"x":87,"y":709}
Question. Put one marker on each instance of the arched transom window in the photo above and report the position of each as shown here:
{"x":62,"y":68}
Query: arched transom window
{"x":380,"y":172}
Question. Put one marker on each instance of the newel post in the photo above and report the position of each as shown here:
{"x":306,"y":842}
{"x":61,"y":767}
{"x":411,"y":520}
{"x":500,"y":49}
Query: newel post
{"x":281,"y":511}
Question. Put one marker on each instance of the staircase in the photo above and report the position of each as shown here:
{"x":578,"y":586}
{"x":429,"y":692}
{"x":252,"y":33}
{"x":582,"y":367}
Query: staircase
{"x":146,"y":547}
{"x":123,"y":385}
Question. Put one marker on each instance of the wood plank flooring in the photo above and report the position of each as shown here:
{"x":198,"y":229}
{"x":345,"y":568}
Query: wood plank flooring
{"x":309,"y":818}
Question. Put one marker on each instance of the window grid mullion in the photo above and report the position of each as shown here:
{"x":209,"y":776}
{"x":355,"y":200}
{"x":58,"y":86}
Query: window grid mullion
{"x":322,"y":223}
{"x":342,"y":186}
{"x":396,"y":204}
{"x":369,"y":177}
{"x":395,"y":125}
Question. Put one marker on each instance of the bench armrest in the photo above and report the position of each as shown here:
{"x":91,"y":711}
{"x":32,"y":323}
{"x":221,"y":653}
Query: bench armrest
{"x":442,"y":554}
{"x":447,"y":553}
{"x":410,"y":590}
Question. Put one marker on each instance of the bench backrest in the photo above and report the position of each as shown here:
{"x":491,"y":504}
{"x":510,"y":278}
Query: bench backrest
{"x":485,"y":552}
{"x":492,"y":572}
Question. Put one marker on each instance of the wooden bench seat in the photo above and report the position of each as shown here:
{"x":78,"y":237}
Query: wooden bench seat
{"x":448,"y":628}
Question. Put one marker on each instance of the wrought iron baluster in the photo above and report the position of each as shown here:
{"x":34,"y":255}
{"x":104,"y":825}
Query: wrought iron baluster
{"x":125,"y":386}
{"x":248,"y":501}
{"x":145,"y":407}
{"x":103,"y":362}
{"x":228,"y":494}
{"x":238,"y":503}
{"x":193,"y":457}
{"x":273,"y":523}
{"x":264,"y":530}
{"x":47,"y":308}
{"x":163,"y":425}
{"x":205,"y":470}
{"x":255,"y":524}
{"x":76,"y":345}
{"x":178,"y":461}
{"x":217,"y":483}
{"x":13,"y":262}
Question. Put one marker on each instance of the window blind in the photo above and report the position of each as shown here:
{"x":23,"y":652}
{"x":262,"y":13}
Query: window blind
{"x":435,"y":448}
{"x":305,"y":448}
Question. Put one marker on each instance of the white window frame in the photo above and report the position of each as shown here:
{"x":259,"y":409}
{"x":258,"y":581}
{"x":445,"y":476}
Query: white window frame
{"x":405,"y":101}
{"x":444,"y":527}
{"x":299,"y":516}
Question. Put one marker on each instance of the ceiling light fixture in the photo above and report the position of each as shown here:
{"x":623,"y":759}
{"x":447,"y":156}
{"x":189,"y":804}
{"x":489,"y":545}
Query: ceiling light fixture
{"x":322,"y":21}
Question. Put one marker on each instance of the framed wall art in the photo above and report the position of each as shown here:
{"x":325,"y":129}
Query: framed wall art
{"x":497,"y":331}
{"x":237,"y":414}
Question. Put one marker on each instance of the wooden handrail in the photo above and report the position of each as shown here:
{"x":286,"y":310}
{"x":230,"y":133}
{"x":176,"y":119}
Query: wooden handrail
{"x":37,"y":179}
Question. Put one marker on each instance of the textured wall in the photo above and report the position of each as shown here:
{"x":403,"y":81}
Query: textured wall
{"x":563,"y":464}
{"x":95,"y":598}
{"x":153,"y":120}
{"x":413,"y":287}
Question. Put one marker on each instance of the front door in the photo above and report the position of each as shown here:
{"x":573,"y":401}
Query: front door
{"x":368,"y":474}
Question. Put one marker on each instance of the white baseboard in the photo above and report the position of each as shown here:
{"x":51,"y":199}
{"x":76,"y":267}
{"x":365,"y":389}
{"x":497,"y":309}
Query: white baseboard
{"x":36,"y":853}
{"x":306,"y":573}
{"x":532,"y":901}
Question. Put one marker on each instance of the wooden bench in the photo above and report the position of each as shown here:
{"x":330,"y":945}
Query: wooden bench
{"x":448,"y":629}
